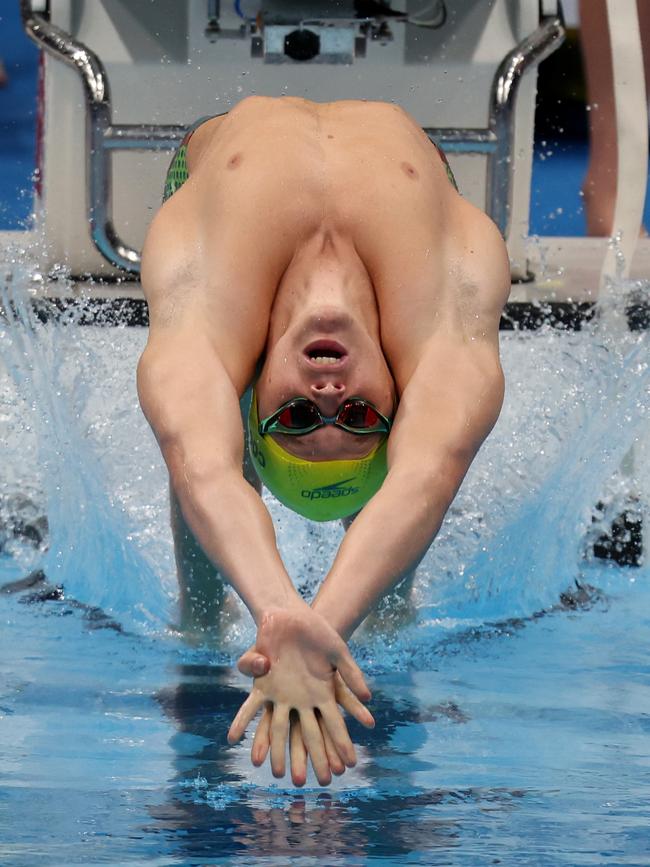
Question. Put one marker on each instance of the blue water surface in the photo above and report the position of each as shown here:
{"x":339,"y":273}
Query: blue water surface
{"x":523,"y":743}
{"x":509,"y":733}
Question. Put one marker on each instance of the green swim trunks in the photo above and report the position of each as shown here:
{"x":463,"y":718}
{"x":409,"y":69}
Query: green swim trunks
{"x":177,"y":173}
{"x":443,"y":157}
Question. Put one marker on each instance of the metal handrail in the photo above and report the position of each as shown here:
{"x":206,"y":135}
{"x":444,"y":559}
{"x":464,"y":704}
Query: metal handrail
{"x":529,"y":53}
{"x":103,"y":137}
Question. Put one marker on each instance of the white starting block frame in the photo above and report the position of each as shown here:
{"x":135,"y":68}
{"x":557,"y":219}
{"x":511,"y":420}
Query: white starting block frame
{"x":172,"y":59}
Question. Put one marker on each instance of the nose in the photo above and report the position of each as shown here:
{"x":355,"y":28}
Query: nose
{"x":328,"y":396}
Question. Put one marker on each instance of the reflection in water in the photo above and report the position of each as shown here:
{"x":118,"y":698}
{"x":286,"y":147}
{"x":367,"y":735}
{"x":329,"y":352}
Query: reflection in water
{"x":214,"y":809}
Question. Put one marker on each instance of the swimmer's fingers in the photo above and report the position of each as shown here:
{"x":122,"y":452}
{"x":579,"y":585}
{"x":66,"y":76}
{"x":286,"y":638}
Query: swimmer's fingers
{"x":297,"y":751}
{"x":337,"y":766}
{"x":350,"y":672}
{"x":352,"y":705}
{"x":253,"y":664}
{"x":279,"y":733}
{"x":313,"y":740}
{"x":337,"y":730}
{"x":244,"y":715}
{"x":262,"y":740}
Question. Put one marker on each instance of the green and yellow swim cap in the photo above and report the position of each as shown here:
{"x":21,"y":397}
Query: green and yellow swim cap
{"x":319,"y":490}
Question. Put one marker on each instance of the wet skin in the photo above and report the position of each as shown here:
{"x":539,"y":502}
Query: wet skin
{"x":300,"y":223}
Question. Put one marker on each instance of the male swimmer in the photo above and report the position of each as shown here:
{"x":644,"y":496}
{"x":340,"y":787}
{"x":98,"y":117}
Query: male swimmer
{"x":320,"y":255}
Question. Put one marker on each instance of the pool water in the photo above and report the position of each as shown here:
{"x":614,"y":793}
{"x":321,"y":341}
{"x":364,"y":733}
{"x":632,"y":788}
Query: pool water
{"x":512,"y":727}
{"x":523,"y":744}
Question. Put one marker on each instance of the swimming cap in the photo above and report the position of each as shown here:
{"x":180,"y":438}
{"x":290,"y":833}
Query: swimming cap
{"x":319,"y":490}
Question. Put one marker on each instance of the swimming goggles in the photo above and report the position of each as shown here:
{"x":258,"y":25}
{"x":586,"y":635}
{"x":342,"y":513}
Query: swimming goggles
{"x":302,"y":416}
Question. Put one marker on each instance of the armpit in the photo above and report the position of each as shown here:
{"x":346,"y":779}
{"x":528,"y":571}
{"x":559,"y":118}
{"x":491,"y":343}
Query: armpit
{"x":168,"y":306}
{"x":169,"y":278}
{"x":481,"y":277}
{"x":477,"y":313}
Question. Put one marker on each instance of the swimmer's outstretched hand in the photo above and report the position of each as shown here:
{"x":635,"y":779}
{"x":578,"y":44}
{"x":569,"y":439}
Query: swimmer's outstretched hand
{"x":297,"y":748}
{"x":305,"y":654}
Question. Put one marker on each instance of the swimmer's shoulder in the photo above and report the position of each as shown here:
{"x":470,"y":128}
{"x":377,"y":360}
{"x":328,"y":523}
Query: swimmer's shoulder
{"x":170,"y":247}
{"x":483,"y":269}
{"x":252,"y":109}
{"x":189,"y":293}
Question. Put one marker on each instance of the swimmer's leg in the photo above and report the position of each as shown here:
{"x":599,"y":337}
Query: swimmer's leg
{"x":395,"y":612}
{"x":202,"y":590}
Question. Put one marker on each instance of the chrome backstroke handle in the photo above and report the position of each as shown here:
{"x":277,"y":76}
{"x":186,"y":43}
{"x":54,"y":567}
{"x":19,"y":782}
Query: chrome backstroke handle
{"x":528,"y":54}
{"x":102,"y":136}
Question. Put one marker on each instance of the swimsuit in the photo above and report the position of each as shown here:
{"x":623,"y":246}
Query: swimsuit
{"x":443,"y":157}
{"x":178,"y":173}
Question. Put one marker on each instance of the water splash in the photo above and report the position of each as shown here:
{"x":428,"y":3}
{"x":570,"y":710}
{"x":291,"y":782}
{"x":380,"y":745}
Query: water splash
{"x":514,"y":539}
{"x":88,"y":550}
{"x":540,"y":549}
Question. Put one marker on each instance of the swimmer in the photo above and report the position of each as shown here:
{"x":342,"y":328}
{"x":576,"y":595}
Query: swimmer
{"x":315,"y":262}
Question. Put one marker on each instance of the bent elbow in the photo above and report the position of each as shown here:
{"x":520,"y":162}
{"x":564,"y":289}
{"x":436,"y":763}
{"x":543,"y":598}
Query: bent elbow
{"x":435,"y":480}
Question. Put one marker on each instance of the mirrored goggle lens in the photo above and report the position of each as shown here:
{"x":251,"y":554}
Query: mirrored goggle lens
{"x":359,"y":415}
{"x":299,"y":415}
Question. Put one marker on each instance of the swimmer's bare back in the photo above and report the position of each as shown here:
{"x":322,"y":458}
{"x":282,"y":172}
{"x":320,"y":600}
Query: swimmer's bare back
{"x":279,"y":175}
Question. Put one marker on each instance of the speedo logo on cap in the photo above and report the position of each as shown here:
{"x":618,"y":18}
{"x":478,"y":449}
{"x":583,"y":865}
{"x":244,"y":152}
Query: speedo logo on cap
{"x":327,"y":492}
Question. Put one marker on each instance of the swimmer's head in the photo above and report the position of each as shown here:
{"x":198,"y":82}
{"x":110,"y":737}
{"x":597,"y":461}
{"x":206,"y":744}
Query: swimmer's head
{"x":324,"y":344}
{"x":320,"y":490}
{"x":326,"y":355}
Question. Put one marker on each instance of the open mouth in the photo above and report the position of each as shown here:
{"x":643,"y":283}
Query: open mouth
{"x":325,"y":353}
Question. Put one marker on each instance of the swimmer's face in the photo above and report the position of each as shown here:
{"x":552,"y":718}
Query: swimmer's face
{"x":326,"y":360}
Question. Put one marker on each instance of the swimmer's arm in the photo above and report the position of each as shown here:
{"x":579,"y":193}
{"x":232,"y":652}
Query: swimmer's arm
{"x":448,"y":408}
{"x":193,"y":408}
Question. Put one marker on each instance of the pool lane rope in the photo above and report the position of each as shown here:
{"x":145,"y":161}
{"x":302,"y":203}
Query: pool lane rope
{"x":631,"y":136}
